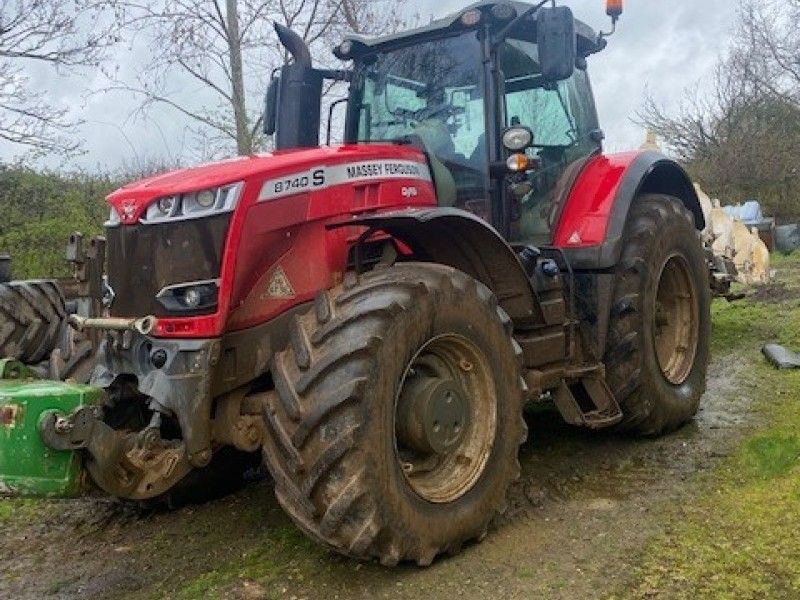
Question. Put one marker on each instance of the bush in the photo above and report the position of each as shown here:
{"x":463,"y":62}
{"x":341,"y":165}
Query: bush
{"x":41,"y":210}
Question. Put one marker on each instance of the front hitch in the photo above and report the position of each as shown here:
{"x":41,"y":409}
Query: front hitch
{"x":52,"y":435}
{"x":131,"y":465}
{"x":144,"y":325}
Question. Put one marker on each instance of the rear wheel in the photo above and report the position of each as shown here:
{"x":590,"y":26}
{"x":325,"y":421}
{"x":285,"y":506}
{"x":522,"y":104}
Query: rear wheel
{"x":658,"y":346}
{"x":397,"y":418}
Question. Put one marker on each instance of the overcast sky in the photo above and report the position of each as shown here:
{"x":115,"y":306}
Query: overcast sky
{"x":665,"y":46}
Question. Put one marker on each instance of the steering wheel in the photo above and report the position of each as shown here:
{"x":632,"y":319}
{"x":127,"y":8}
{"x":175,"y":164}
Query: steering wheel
{"x":446,"y":110}
{"x":431,"y":112}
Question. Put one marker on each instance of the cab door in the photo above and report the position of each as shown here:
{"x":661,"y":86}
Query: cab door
{"x":564,"y":122}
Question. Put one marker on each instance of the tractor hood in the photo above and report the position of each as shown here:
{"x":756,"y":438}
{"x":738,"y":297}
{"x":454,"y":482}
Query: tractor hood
{"x":132,"y":201}
{"x":168,"y":236}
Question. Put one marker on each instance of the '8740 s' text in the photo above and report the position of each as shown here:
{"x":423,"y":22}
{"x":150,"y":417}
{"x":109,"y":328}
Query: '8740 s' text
{"x":314,"y":180}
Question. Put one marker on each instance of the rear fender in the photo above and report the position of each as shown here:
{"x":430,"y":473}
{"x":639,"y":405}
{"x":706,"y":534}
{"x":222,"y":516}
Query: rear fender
{"x":461,"y":240}
{"x":592,"y":222}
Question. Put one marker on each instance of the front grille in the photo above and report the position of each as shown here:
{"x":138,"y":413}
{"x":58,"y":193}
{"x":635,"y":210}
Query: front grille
{"x":144,"y":259}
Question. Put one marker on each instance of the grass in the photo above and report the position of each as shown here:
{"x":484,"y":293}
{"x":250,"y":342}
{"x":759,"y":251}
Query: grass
{"x":740,"y":539}
{"x":782,"y":261}
{"x":20,"y":511}
{"x":263,"y":566}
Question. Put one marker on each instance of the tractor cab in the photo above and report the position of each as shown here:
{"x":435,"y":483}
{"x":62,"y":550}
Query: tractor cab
{"x":497,"y":96}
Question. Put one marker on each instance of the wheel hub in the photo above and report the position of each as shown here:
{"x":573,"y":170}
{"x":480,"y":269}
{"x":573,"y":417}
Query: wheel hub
{"x":432,"y":415}
{"x":676,"y":321}
{"x":445,"y":418}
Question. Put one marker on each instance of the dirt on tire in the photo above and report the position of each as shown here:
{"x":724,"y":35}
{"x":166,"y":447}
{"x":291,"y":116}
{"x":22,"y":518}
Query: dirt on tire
{"x":659,"y":228}
{"x":331,"y":445}
{"x":32,"y":320}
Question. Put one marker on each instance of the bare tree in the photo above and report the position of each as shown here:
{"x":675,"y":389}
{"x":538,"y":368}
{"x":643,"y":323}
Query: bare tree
{"x":58,"y":33}
{"x":211,"y":60}
{"x":741,"y":137}
{"x":767,"y":55}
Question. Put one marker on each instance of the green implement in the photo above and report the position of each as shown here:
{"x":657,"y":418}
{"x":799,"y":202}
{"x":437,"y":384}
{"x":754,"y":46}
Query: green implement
{"x":27,"y":466}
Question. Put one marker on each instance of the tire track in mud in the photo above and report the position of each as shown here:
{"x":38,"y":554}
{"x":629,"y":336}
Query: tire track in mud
{"x":584,"y":506}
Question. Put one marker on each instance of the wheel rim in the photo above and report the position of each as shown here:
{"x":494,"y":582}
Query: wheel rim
{"x":676,"y":320}
{"x":445,"y":418}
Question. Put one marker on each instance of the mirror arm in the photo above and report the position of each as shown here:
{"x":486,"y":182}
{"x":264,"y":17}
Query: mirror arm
{"x":498,"y":38}
{"x":499,"y":169}
{"x":336,"y":74}
{"x":604,"y":35}
{"x":330,"y":117}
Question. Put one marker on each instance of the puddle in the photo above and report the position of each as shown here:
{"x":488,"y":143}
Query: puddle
{"x":563,"y":464}
{"x":576,"y":487}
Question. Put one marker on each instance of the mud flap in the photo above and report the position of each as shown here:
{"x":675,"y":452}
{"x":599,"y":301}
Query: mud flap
{"x":27,"y":466}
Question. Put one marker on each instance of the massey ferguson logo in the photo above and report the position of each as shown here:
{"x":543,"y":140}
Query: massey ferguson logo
{"x":128,"y":209}
{"x":384,"y":169}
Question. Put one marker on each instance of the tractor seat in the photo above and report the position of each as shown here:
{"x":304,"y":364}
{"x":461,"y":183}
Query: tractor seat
{"x":434,"y":139}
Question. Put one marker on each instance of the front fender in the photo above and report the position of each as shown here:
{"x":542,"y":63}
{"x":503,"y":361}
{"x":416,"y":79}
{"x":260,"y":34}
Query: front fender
{"x":592,"y":222}
{"x":461,"y":240}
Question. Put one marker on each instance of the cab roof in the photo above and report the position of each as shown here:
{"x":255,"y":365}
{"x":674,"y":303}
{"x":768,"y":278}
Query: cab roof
{"x":589,"y":41}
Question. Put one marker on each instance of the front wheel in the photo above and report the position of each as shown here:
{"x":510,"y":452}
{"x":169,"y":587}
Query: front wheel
{"x":658,"y":345}
{"x":397,"y":418}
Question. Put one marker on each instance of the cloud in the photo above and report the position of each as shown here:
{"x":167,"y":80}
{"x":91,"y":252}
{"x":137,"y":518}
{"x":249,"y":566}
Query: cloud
{"x":664,"y":47}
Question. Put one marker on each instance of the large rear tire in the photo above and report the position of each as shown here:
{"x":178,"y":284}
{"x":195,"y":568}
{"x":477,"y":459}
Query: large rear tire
{"x":32,"y":320}
{"x":397,"y":418}
{"x":658,"y":346}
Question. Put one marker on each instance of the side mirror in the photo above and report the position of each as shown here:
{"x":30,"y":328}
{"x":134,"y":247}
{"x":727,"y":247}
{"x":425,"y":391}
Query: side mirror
{"x":557,"y":41}
{"x":271,"y":106}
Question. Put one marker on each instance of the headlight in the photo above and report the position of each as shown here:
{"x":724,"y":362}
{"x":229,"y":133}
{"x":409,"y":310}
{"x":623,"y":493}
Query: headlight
{"x":344,"y":51}
{"x":194,"y":205}
{"x":206,"y":199}
{"x":517,"y":138}
{"x":504,"y":12}
{"x":166,"y":205}
{"x":471,"y":18}
{"x":193,"y":296}
{"x":113,"y":219}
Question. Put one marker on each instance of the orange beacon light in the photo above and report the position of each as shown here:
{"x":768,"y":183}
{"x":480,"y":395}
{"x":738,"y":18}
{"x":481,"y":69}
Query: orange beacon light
{"x":614,"y":8}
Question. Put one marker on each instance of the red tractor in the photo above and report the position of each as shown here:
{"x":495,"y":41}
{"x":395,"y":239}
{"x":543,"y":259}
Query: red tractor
{"x":372,"y":316}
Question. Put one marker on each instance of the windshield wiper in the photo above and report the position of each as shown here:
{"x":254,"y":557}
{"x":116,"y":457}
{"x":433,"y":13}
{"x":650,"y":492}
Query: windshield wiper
{"x":573,"y":128}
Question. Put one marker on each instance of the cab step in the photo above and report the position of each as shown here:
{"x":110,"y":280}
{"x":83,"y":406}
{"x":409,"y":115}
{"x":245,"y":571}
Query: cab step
{"x":587,"y":402}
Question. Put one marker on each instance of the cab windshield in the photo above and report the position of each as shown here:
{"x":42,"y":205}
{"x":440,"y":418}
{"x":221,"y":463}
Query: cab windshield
{"x":430,"y":93}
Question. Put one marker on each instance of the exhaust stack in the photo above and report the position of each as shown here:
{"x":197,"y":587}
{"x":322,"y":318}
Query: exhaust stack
{"x":298,"y":96}
{"x":295,"y":45}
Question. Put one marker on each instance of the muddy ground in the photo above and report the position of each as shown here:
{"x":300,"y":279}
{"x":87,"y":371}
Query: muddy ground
{"x":580,"y":519}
